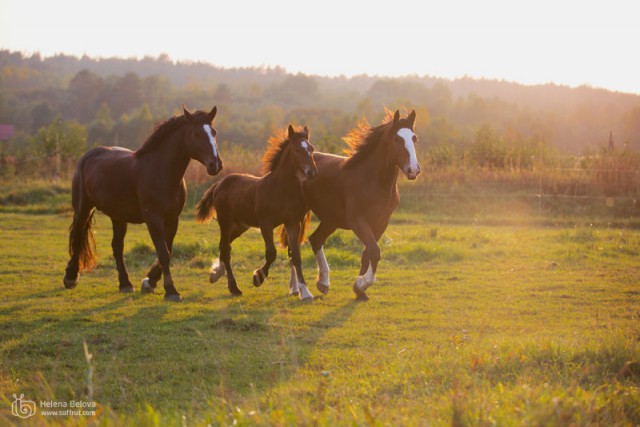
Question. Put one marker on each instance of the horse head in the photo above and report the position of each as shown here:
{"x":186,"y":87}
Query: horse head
{"x":403,"y":141}
{"x":302,"y":151}
{"x":200,"y":140}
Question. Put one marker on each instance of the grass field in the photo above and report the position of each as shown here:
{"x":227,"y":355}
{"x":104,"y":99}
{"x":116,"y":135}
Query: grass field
{"x":467,"y":325}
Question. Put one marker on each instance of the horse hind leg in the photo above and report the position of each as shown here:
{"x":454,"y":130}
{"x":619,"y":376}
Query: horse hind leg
{"x":80,"y":243}
{"x":228,"y":233}
{"x":260,"y":274}
{"x":117,"y":244}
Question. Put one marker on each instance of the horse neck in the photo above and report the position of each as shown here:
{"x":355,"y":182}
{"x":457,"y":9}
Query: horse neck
{"x":170,"y":157}
{"x":382,"y":166}
{"x":285,"y":172}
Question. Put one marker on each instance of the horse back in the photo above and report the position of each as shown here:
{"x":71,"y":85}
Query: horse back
{"x":340,"y":193}
{"x":108,"y":176}
{"x":235,"y":197}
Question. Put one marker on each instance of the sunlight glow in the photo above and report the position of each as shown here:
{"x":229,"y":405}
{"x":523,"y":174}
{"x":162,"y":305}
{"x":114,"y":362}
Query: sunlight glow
{"x":564,"y":41}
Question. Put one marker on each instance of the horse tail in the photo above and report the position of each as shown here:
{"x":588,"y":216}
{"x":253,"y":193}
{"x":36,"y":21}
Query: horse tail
{"x":205,"y":210}
{"x":81,"y":239}
{"x":304,"y":226}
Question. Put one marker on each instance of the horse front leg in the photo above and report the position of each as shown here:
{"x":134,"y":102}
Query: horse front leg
{"x":270,"y":253}
{"x":369,"y":260}
{"x":156,"y":228}
{"x":293,"y":231}
{"x":317,"y":239}
{"x":155,"y":271}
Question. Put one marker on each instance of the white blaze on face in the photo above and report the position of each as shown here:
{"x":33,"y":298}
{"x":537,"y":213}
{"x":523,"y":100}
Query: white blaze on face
{"x":212,"y":139}
{"x":407,"y":135}
{"x":305,"y":145}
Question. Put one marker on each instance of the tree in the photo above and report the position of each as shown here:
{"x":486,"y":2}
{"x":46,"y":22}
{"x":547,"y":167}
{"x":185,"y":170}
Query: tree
{"x":59,"y":144}
{"x":83,"y":96}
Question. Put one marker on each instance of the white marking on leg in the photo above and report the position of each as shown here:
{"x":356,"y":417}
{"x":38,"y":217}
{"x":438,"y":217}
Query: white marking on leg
{"x":369,"y":278}
{"x":323,"y":267}
{"x":304,"y":292}
{"x":212,"y":139}
{"x":298,"y":288}
{"x":407,"y":135}
{"x":217,"y":270}
{"x":293,"y":282}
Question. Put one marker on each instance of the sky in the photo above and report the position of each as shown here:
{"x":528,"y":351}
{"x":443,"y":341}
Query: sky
{"x":565,"y":42}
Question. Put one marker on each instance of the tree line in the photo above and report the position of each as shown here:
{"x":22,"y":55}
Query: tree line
{"x":63,"y":105}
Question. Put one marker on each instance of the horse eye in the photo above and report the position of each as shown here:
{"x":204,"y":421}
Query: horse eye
{"x":415,"y":139}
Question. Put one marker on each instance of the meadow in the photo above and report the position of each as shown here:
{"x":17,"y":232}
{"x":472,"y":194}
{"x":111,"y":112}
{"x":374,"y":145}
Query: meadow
{"x":471,"y":322}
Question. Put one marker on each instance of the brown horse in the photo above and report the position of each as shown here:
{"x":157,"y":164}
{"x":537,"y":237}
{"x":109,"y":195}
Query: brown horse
{"x":241,"y":201}
{"x":135,"y":187}
{"x":360,"y":192}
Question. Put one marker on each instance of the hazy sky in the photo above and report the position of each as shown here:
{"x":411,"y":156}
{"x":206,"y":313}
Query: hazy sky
{"x":529,"y":41}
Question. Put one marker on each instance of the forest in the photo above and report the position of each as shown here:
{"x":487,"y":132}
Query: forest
{"x":550,"y":139}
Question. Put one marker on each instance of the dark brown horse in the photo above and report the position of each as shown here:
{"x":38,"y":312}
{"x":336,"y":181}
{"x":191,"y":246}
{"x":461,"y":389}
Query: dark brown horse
{"x":135,"y":187}
{"x":241,"y":201}
{"x":360,"y":192}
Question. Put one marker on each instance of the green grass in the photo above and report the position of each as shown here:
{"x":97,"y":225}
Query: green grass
{"x":467,"y":325}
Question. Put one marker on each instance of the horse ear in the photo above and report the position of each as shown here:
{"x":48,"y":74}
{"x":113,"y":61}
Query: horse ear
{"x":187,"y":113}
{"x":412,"y":117}
{"x":306,"y":131}
{"x":290,"y":132}
{"x":212,"y":114}
{"x":396,"y":116}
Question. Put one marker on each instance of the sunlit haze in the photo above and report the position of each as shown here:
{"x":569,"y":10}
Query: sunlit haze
{"x":562,"y":41}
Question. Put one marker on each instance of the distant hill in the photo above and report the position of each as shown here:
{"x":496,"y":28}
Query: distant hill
{"x":34,"y":89}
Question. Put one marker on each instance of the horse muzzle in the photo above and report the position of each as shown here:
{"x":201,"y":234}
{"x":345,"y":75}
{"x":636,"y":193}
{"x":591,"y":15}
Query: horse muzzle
{"x":310,"y":173}
{"x":214,"y":167}
{"x":411,"y":173}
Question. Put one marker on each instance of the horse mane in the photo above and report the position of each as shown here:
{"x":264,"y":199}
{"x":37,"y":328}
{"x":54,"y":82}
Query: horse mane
{"x":160,"y":133}
{"x":363,"y":139}
{"x":275,"y":151}
{"x":163,"y":130}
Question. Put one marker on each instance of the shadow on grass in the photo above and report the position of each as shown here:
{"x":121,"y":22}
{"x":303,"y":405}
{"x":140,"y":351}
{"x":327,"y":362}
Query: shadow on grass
{"x":174,"y":357}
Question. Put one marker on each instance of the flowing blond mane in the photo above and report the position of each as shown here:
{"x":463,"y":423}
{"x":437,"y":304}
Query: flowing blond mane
{"x":363,"y":139}
{"x":275,"y":149}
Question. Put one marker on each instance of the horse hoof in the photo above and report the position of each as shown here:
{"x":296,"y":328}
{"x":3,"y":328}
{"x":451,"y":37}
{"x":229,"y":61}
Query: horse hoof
{"x":294,"y":293}
{"x":322,"y":288}
{"x":173,"y":297}
{"x":126,"y":289}
{"x":70,"y":283}
{"x":235,"y":292}
{"x":216,"y":275}
{"x":305,"y":295}
{"x":258,"y":278}
{"x":145,"y":287}
{"x":361,"y":296}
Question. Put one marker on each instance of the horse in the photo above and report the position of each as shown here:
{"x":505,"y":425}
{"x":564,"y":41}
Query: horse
{"x":240,"y":201}
{"x":360,"y":192}
{"x":135,"y":187}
